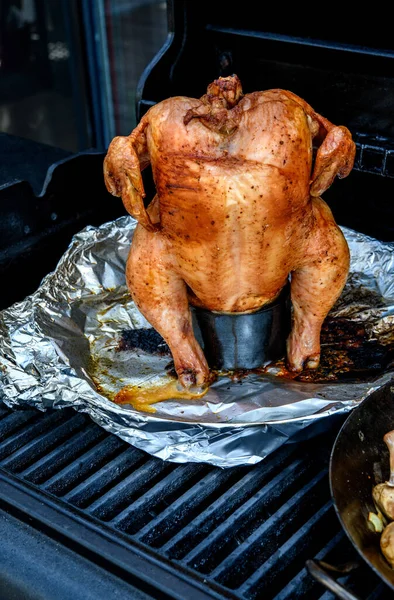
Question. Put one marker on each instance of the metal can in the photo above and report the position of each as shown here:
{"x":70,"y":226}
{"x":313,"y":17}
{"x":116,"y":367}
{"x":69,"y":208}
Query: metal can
{"x":234,"y":341}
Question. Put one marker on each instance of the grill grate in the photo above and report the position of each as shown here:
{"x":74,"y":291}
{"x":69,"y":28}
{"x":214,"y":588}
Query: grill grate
{"x":249,"y":530}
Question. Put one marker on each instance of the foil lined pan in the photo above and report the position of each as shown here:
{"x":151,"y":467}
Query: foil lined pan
{"x":60,"y":348}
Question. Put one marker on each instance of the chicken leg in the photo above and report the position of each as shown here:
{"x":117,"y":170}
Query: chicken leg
{"x":316,"y":283}
{"x":160,"y":292}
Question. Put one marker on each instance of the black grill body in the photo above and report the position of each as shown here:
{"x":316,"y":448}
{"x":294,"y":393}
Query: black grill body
{"x":82,"y":514}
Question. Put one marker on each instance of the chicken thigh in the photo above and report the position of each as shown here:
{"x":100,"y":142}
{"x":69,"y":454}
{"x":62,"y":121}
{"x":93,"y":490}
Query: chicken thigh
{"x":237,"y":210}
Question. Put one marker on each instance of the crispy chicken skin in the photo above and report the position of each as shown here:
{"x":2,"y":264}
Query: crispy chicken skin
{"x":237,"y":210}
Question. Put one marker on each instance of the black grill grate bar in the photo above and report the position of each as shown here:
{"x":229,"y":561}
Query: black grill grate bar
{"x":134,"y":485}
{"x":4,"y":410}
{"x":268,"y":579}
{"x":198,"y":527}
{"x":29,"y":432}
{"x":42,"y":444}
{"x":303,"y":583}
{"x":71,"y":475}
{"x":105,"y":478}
{"x":141,"y":511}
{"x":14,"y":421}
{"x":182,"y":510}
{"x":265,"y":539}
{"x":63,"y":454}
{"x":202,"y":556}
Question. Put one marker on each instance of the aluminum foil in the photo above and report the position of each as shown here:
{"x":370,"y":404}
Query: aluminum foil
{"x":59,"y":348}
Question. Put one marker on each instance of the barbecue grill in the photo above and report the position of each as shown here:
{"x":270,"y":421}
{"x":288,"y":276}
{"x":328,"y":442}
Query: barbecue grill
{"x":82,"y":514}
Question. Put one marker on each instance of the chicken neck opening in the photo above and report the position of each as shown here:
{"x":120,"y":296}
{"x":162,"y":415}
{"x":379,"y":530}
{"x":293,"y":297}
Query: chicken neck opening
{"x":216,"y":108}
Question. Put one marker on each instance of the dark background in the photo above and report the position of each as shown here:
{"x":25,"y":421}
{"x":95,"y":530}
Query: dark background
{"x":69,"y":68}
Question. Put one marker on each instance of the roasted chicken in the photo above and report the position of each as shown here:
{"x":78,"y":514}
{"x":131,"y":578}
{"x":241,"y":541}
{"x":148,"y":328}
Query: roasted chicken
{"x":237,"y":210}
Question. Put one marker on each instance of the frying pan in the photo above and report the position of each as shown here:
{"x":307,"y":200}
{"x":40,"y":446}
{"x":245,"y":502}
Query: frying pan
{"x":360,"y":460}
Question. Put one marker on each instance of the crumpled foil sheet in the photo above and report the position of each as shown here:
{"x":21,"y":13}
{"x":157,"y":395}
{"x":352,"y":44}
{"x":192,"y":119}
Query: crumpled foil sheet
{"x":58,"y":347}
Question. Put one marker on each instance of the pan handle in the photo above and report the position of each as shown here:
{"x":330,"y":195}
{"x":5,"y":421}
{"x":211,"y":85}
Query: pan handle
{"x":318,"y":572}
